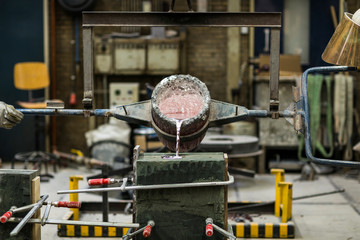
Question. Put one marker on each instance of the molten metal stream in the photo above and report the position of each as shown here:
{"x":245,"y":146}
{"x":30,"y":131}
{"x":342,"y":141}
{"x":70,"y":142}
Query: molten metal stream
{"x":178,"y":128}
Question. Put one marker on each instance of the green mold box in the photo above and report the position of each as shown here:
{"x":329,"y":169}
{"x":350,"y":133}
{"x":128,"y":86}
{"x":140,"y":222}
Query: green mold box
{"x":180,"y":213}
{"x":15,"y":190}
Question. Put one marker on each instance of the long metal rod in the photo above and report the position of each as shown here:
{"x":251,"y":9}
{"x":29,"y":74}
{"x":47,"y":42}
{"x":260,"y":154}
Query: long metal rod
{"x":24,"y":208}
{"x":306,"y":116}
{"x":294,"y":199}
{"x":22,"y":223}
{"x":148,"y":187}
{"x":223,"y":232}
{"x":219,"y":229}
{"x":130,"y":235}
{"x":46,"y":213}
{"x":163,"y":19}
{"x":65,"y":112}
{"x":78,"y":223}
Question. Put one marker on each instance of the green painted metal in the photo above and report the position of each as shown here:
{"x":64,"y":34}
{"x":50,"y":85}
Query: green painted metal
{"x":15,"y":190}
{"x":180,"y":213}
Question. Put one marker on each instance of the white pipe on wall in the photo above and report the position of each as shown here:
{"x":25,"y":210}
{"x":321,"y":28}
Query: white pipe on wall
{"x":296,"y":28}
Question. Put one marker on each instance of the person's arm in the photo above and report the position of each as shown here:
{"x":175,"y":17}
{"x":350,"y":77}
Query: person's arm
{"x":9,"y":116}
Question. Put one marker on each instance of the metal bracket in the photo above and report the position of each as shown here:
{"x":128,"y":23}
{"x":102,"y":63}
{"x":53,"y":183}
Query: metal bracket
{"x":306,"y":117}
{"x":296,"y":108}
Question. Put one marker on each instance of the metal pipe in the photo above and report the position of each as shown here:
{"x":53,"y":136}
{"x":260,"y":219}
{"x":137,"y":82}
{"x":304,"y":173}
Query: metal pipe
{"x":130,"y":235}
{"x":53,"y":68}
{"x":24,"y":208}
{"x":306,"y":116}
{"x":254,"y":205}
{"x":219,"y":229}
{"x":78,"y":223}
{"x":22,"y":223}
{"x":65,"y":112}
{"x":148,"y":187}
{"x":105,"y":195}
{"x":46,"y":213}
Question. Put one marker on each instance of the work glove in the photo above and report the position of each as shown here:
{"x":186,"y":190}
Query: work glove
{"x":9,"y":116}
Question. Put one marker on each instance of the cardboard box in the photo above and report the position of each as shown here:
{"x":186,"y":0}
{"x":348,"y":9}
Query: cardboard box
{"x":290,"y":65}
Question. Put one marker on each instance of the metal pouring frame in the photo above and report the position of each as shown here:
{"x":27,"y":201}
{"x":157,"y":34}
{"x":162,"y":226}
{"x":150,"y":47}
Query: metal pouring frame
{"x":221,"y":112}
{"x":183,"y":19}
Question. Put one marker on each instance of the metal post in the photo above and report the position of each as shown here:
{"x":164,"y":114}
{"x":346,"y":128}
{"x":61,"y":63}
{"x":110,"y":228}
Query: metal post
{"x":105,"y":195}
{"x":274,"y":71}
{"x":279,"y":177}
{"x":286,"y":200}
{"x":88,"y":68}
{"x":74,"y":197}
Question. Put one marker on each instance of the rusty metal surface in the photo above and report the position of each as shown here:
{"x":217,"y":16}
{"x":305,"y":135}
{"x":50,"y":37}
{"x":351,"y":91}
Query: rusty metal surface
{"x":274,"y":71}
{"x":88,"y":68}
{"x":153,"y":19}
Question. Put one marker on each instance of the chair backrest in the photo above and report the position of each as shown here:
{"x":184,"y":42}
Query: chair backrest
{"x":31,"y":76}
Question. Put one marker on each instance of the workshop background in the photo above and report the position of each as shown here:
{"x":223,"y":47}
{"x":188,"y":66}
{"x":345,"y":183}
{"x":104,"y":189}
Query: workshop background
{"x":246,"y":187}
{"x":225,"y":59}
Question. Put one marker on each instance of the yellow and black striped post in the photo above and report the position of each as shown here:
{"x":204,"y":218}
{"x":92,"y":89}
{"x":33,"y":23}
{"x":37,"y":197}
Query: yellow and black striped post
{"x":264,"y":230}
{"x":65,"y":230}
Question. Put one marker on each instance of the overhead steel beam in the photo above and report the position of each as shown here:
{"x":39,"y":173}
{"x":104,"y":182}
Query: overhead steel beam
{"x":186,"y":19}
{"x":154,"y":19}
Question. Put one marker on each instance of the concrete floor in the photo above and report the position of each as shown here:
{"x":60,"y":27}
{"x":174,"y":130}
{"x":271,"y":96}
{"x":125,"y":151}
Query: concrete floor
{"x":331,"y":217}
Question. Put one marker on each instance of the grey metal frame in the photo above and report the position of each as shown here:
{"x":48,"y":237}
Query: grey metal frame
{"x":223,"y":19}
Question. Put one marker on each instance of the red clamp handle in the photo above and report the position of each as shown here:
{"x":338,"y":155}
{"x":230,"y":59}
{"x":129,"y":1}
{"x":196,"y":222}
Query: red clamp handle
{"x":147,"y":231}
{"x":209,"y":230}
{"x":4,"y":218}
{"x":99,"y":181}
{"x":67,"y":204}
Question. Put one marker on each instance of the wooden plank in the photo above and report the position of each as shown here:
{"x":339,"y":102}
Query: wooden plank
{"x":35,"y":196}
{"x":141,"y":140}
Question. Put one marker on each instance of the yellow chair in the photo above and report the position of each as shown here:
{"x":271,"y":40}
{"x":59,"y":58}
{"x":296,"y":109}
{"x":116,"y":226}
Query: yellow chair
{"x":33,"y":76}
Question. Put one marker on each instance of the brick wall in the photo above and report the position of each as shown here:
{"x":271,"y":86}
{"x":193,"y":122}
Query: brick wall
{"x":206,"y":50}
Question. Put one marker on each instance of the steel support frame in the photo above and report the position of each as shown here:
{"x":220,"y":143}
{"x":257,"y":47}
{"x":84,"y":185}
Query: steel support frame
{"x":185,"y":19}
{"x":306,"y":116}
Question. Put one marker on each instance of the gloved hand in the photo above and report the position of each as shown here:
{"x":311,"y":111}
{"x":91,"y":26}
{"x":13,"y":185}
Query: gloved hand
{"x":9,"y":116}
